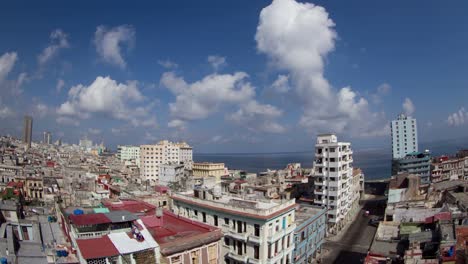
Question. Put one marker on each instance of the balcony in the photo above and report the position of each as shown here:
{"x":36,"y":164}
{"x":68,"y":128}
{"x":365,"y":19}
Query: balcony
{"x":276,"y":258}
{"x":236,"y":257}
{"x":238,"y":236}
{"x":320,"y":191}
{"x":254,"y":239}
{"x":290,"y":229}
{"x":277,"y":235}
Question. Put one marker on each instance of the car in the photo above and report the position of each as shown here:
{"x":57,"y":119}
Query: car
{"x":374,"y":222}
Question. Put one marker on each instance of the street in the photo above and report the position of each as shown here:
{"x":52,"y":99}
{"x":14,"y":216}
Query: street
{"x":353,"y":245}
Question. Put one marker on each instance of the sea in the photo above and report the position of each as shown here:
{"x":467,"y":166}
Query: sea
{"x":375,"y":163}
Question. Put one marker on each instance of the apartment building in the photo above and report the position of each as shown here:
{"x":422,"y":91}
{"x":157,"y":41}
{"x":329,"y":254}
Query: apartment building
{"x":185,"y":155}
{"x":449,"y":168}
{"x":206,"y":169}
{"x":415,"y":163}
{"x":152,"y":156}
{"x":255,"y":230}
{"x":129,"y":153}
{"x":310,"y":232}
{"x":333,"y":174}
{"x":404,"y":136}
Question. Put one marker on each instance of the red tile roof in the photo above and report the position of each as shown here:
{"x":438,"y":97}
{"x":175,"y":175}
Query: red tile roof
{"x":133,"y":206}
{"x":176,"y":234}
{"x":89,"y":219}
{"x":97,"y":248}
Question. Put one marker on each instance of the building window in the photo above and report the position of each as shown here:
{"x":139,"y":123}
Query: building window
{"x":257,"y":230}
{"x":204,"y":217}
{"x":195,"y":212}
{"x":256,"y":252}
{"x":226,"y":241}
{"x":226,"y":220}
{"x":215,"y":220}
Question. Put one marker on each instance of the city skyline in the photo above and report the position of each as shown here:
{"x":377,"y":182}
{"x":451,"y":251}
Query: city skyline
{"x":229,"y":78}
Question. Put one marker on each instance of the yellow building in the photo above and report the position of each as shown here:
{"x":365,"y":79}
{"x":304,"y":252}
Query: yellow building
{"x":205,"y":169}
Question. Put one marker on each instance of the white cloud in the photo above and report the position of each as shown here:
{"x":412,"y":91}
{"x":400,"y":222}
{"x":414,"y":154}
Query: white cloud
{"x":109,"y":43}
{"x":7,"y":61}
{"x":408,"y":107}
{"x":297,"y":37}
{"x":40,"y":110}
{"x":382,"y":90}
{"x":107,"y":97}
{"x":60,"y":85}
{"x":281,"y":84}
{"x":200,"y":99}
{"x":94,"y":131}
{"x":177,"y":123}
{"x":5,"y":112}
{"x":64,"y":120}
{"x":216,"y":61}
{"x":58,"y":41}
{"x":168,"y":64}
{"x":458,"y":118}
{"x":258,"y":117}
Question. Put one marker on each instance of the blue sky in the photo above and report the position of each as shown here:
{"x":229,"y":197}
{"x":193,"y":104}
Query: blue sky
{"x":234,"y":76}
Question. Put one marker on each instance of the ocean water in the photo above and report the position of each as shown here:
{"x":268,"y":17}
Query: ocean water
{"x":374,"y":164}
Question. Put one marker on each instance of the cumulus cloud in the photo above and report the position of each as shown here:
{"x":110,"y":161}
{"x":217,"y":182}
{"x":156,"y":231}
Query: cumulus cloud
{"x":177,"y":123}
{"x":200,"y":99}
{"x":7,"y":62}
{"x":168,"y":64}
{"x":408,"y":107}
{"x":297,"y":37}
{"x":458,"y":118}
{"x":109,"y":43}
{"x":65,"y":120}
{"x":60,"y":85}
{"x":109,"y":98}
{"x":40,"y":110}
{"x":5,"y":112}
{"x":58,"y":41}
{"x":281,"y":84}
{"x":382,"y":90}
{"x":217,"y":62}
{"x":258,"y":117}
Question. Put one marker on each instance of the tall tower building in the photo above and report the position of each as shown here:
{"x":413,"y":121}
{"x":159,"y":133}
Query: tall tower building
{"x":27,"y":130}
{"x":47,"y":138}
{"x":333,"y":179}
{"x":404,"y":136}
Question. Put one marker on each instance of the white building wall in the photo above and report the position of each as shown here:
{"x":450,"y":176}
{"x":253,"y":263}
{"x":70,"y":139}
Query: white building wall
{"x":404,"y":136}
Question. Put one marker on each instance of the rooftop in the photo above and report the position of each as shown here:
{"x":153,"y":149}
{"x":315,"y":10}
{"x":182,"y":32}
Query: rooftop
{"x":133,"y":206}
{"x":305,"y":212}
{"x":176,"y":234}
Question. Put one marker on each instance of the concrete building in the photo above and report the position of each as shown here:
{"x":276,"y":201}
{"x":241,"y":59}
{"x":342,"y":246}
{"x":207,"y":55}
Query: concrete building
{"x":333,"y":173}
{"x":129,"y":153}
{"x":310,"y":232}
{"x":185,"y":155}
{"x":27,"y":131}
{"x":47,"y":138}
{"x":404,"y":136}
{"x":415,"y":163}
{"x":255,"y":230}
{"x":152,"y":156}
{"x":205,"y":169}
{"x":170,"y":173}
{"x":449,"y":168}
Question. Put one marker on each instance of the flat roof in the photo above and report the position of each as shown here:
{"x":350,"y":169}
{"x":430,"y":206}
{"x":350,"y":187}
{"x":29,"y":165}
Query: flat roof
{"x":176,"y":234}
{"x":305,"y":212}
{"x":89,"y":219}
{"x":133,"y":206}
{"x":100,"y":247}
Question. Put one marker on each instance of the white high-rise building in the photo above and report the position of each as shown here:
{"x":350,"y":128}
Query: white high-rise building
{"x":185,"y":155}
{"x":129,"y":153}
{"x":404,"y":136}
{"x":333,"y":173}
{"x":164,"y":152}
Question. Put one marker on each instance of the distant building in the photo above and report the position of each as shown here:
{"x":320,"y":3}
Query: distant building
{"x":310,"y":232}
{"x":449,"y":168}
{"x":205,"y":169}
{"x":129,"y":153}
{"x":333,"y":173}
{"x":47,"y":138}
{"x":170,"y":173}
{"x":164,"y":152}
{"x":85,"y":143}
{"x":255,"y":230}
{"x":404,"y":136}
{"x":27,"y":130}
{"x":185,"y":155}
{"x":415,"y":163}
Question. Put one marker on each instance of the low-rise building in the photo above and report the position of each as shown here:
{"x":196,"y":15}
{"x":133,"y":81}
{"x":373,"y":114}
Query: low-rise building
{"x":206,"y":169}
{"x":310,"y":232}
{"x":170,"y":173}
{"x":417,"y":163}
{"x":256,"y":230}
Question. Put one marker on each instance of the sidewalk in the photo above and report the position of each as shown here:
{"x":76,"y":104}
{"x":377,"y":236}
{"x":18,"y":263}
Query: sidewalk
{"x":343,"y":231}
